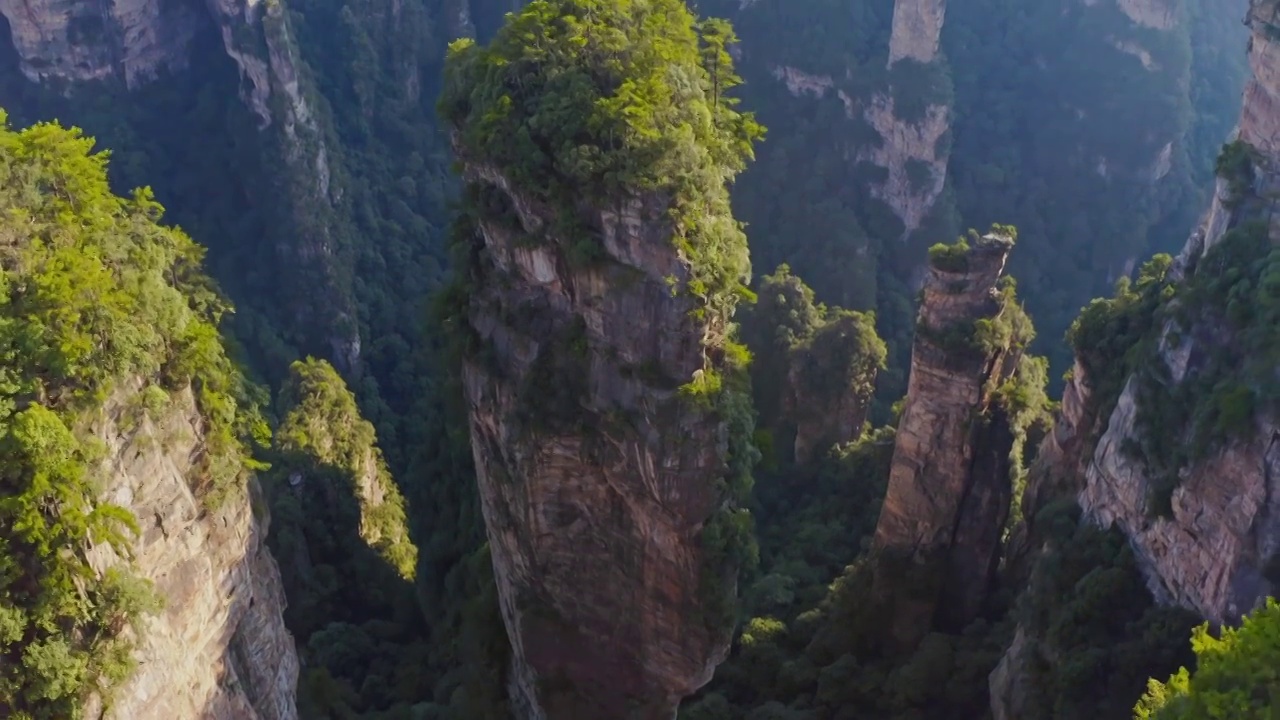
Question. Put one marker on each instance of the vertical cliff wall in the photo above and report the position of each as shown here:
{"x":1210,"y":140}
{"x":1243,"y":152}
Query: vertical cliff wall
{"x":913,"y":116}
{"x":937,"y":542}
{"x":133,"y":40}
{"x":137,"y":584}
{"x":609,"y":420}
{"x":218,"y":650}
{"x":1167,"y":431}
{"x":1205,"y":526}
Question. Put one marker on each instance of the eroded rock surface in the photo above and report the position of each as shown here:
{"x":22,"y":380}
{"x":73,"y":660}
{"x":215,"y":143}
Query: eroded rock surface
{"x":949,"y":484}
{"x":219,"y":650}
{"x":77,"y":40}
{"x":595,"y":475}
{"x":917,"y":26}
{"x":910,"y":150}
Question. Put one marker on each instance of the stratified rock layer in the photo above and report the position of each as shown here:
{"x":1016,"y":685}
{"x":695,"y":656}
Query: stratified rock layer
{"x":219,"y":649}
{"x":949,"y":486}
{"x":595,"y":475}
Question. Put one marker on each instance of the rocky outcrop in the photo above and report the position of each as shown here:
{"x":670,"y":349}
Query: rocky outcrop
{"x":1011,"y":681}
{"x":949,"y":482}
{"x":830,"y":382}
{"x":595,"y":475}
{"x":1210,"y":551}
{"x":1210,"y":554}
{"x":917,"y":27}
{"x":911,"y":150}
{"x":1259,"y":128}
{"x":915,"y":171}
{"x":134,"y":40}
{"x":1157,"y":14}
{"x":219,"y":649}
{"x":822,"y":420}
{"x":800,"y":83}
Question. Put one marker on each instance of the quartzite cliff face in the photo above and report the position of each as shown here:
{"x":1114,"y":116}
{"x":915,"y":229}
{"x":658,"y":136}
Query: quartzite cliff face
{"x":912,"y":151}
{"x":1210,"y":555}
{"x":595,"y":476}
{"x":219,"y":649}
{"x":609,"y":413}
{"x":949,"y":482}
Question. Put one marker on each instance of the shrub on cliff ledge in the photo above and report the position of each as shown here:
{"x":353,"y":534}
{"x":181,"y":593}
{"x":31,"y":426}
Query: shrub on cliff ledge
{"x":586,"y":101}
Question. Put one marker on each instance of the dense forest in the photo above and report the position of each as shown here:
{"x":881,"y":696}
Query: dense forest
{"x":338,"y":366}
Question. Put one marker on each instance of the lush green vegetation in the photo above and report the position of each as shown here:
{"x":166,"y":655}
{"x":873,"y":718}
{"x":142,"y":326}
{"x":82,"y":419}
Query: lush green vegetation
{"x":811,"y":643}
{"x":1112,"y":335}
{"x":1005,"y":328}
{"x":1237,"y":675}
{"x":1093,"y":634}
{"x":1030,"y":87}
{"x":340,"y":533}
{"x":806,"y":357}
{"x":1227,"y":307}
{"x":1027,"y":83}
{"x":585,"y":104}
{"x":369,"y":70}
{"x":322,"y":423}
{"x":95,"y":295}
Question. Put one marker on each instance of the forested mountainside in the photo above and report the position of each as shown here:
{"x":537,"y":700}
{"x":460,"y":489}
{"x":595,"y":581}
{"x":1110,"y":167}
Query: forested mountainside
{"x":520,"y":480}
{"x":134,"y":580}
{"x":1073,"y":121}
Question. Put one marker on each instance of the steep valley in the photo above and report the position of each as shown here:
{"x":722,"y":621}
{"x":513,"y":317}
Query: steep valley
{"x":562,"y":373}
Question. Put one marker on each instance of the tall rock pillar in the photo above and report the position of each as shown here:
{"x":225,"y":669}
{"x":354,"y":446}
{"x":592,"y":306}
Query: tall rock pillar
{"x":937,"y":541}
{"x":609,"y":422}
{"x":913,"y":115}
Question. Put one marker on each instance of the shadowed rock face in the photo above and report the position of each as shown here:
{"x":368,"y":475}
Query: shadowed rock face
{"x":78,"y":40}
{"x":219,"y":649}
{"x":949,"y":487}
{"x":135,"y":41}
{"x":1210,"y":555}
{"x":595,"y":475}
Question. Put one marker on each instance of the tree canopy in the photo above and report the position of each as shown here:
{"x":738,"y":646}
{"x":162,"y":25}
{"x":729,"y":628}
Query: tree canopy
{"x":93,"y":292}
{"x":1237,"y":675}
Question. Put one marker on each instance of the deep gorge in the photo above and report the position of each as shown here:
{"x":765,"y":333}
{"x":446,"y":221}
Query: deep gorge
{"x":523,"y":432}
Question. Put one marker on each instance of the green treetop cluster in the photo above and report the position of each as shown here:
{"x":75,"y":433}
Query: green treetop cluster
{"x":323,"y":424}
{"x":831,"y":349}
{"x":586,"y":101}
{"x":1237,"y":675}
{"x":93,"y":291}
